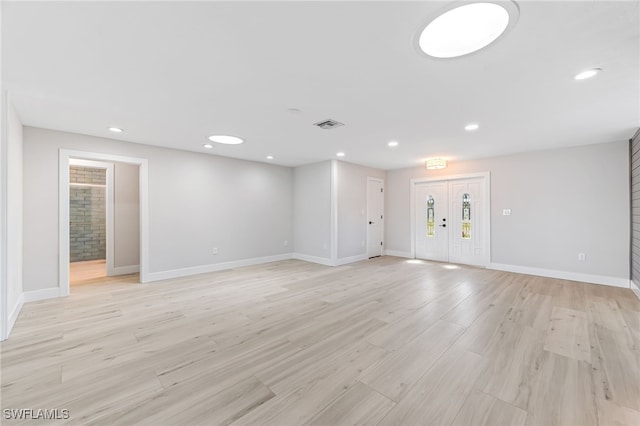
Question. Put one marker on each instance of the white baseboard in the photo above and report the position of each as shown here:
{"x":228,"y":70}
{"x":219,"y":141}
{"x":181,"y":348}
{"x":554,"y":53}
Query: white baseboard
{"x":313,"y":259}
{"x":183,"y":272}
{"x":45,"y":293}
{"x":405,"y":254}
{"x":350,"y":259}
{"x":635,"y":289}
{"x":13,"y":316}
{"x":563,"y":275}
{"x":124,"y":270}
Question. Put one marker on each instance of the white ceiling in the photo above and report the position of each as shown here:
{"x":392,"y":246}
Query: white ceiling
{"x":173,"y":73}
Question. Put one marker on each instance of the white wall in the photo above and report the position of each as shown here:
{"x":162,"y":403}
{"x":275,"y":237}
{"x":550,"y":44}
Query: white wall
{"x":563,"y":202}
{"x":312,"y":211}
{"x":126,"y":214}
{"x":352,"y":202}
{"x":14,"y":214}
{"x":196,"y":202}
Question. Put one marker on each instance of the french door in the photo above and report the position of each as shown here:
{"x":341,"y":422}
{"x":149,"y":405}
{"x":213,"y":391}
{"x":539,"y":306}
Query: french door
{"x":452,"y":221}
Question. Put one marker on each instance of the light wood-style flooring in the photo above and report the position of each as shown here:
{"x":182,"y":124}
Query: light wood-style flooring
{"x":386,"y":341}
{"x":87,"y":272}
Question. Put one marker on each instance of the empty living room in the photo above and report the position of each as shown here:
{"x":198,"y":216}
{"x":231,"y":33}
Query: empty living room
{"x":322,"y":213}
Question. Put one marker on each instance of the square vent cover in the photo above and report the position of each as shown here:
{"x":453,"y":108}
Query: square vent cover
{"x":328,"y":124}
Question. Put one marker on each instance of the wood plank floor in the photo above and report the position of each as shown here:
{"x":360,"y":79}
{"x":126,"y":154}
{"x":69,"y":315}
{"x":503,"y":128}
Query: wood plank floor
{"x":381,"y":342}
{"x":87,"y":272}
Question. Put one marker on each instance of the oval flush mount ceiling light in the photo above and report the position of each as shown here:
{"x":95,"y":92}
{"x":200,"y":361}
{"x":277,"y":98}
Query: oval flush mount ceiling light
{"x":224,"y":139}
{"x":115,"y":129}
{"x":587,"y":74}
{"x":471,"y":127}
{"x":467,"y":28}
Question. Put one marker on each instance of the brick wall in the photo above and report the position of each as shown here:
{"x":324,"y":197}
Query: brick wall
{"x":87,"y":214}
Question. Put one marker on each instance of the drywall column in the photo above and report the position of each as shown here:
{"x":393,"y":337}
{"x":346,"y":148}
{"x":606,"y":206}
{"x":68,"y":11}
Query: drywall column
{"x":312,"y":213}
{"x":634,"y":154}
{"x":11,"y":158}
{"x":4,"y":333}
{"x":126,"y":211}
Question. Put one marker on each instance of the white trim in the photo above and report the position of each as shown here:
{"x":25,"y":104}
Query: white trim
{"x":634,"y":288}
{"x":334,"y":211}
{"x":351,"y":259}
{"x":184,"y":272}
{"x":397,"y":253}
{"x":124,"y":270}
{"x":381,"y":181}
{"x":45,"y":293}
{"x":63,"y":227}
{"x":563,"y":275}
{"x":486,"y":176}
{"x":313,"y":259}
{"x":13,"y":316}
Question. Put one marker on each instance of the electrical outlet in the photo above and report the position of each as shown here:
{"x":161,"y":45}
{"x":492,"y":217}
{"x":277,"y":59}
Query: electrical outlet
{"x":506,"y":212}
{"x":215,"y":251}
{"x":582,"y":257}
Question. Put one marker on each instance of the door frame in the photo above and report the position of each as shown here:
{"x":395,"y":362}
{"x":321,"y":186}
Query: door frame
{"x":381,"y":181}
{"x":109,"y":205}
{"x":65,"y":157}
{"x":486,"y":176}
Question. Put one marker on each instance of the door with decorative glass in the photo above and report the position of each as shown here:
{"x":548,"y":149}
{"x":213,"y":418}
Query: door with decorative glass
{"x":452,"y":221}
{"x":432,"y":211}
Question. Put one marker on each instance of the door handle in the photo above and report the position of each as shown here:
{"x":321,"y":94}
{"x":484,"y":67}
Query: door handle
{"x":443,"y":225}
{"x":370,"y":223}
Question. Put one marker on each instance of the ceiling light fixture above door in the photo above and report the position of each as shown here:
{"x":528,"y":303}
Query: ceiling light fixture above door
{"x":435,"y":163}
{"x":466,"y":28}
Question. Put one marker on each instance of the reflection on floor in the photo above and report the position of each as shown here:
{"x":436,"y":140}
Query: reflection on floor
{"x":87,"y":272}
{"x":385,"y":341}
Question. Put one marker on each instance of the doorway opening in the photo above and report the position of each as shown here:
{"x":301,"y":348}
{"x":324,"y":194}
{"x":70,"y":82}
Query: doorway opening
{"x":103,"y":217}
{"x":90,"y":207}
{"x":450,"y":219}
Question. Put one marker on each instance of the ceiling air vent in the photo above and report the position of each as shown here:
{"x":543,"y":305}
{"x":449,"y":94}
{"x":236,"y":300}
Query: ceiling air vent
{"x":328,"y":124}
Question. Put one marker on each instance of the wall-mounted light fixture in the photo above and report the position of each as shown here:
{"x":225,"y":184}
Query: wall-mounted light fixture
{"x":436,"y":163}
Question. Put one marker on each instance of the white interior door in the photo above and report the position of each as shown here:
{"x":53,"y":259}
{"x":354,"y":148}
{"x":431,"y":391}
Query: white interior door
{"x":375,"y":217}
{"x":457,"y":227}
{"x":469,"y":214}
{"x":431,"y":226}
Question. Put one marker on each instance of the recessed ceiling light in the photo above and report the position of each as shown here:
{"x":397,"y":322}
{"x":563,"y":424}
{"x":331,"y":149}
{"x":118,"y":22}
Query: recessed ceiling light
{"x":340,"y":154}
{"x":587,"y":74}
{"x":115,"y":129}
{"x":471,"y":127}
{"x":208,"y":145}
{"x":465,"y":29}
{"x":269,"y":157}
{"x":227,"y":140}
{"x":393,"y":144}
